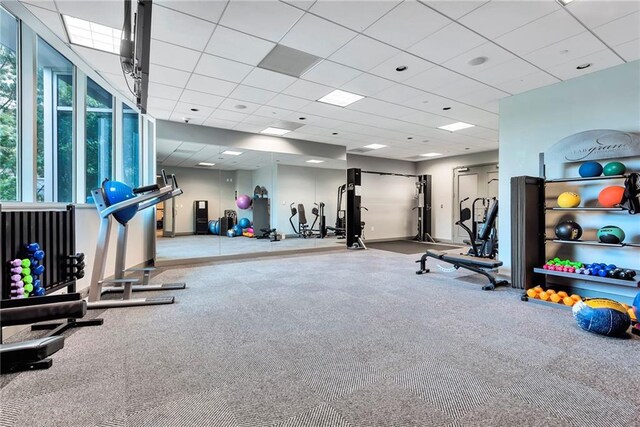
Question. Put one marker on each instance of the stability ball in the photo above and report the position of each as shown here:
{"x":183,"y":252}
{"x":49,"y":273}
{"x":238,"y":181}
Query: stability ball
{"x":243,"y":201}
{"x":614,"y":168}
{"x":237,"y":229}
{"x":602,"y":316}
{"x":568,"y":230}
{"x":611,"y":196}
{"x":214,"y":227}
{"x":611,"y":234}
{"x":590,"y":169}
{"x":244,"y":222}
{"x":231,"y":233}
{"x":116,"y":192}
{"x":568,"y":200}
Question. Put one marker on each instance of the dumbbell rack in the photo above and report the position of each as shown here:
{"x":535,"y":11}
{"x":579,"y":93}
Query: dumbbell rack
{"x":54,"y":230}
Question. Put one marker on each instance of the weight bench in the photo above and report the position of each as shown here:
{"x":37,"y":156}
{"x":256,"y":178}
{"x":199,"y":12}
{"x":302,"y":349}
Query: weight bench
{"x":475,"y":264}
{"x":33,"y":354}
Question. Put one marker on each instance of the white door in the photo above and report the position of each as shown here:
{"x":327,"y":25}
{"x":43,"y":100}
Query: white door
{"x":474,"y":182}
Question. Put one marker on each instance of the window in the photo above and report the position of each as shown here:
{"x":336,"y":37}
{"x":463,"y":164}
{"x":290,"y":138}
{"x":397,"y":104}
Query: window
{"x":55,"y":126}
{"x":8,"y":107}
{"x":130,"y":146}
{"x":99,"y":136}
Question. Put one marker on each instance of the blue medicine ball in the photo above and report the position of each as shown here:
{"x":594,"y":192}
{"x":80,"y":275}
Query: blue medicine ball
{"x":231,"y":233}
{"x":590,"y":169}
{"x":237,"y":229}
{"x":244,"y":223}
{"x":602,"y":316}
{"x":116,"y":192}
{"x":636,"y":303}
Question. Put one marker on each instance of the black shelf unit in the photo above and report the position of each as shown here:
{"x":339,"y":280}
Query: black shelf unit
{"x":580,"y":179}
{"x":595,"y":243}
{"x":589,"y":278}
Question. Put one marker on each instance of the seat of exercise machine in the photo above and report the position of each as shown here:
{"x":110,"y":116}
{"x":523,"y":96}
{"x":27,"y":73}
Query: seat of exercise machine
{"x":39,"y":309}
{"x":23,"y":353}
{"x":465,"y":259}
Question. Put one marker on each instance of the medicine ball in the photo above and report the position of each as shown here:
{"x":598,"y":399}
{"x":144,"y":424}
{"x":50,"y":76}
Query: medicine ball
{"x":231,"y":233}
{"x":611,"y":234}
{"x":568,"y":230}
{"x":244,"y":222}
{"x":614,"y":168}
{"x":602,"y":316}
{"x":116,"y":192}
{"x":611,"y":196}
{"x":568,"y":199}
{"x":237,"y":229}
{"x":590,"y":169}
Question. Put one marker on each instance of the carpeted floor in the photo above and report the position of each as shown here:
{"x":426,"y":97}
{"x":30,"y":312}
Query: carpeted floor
{"x":350,"y":338}
{"x":409,"y":247}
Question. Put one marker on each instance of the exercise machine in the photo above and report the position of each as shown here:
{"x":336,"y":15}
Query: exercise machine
{"x":483,"y":241}
{"x":354,"y":236}
{"x":304,"y":230}
{"x":115,"y":200}
{"x":423,"y":195}
{"x":467,"y":262}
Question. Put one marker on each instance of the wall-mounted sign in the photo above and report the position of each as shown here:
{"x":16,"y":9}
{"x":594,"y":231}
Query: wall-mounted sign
{"x":597,"y":144}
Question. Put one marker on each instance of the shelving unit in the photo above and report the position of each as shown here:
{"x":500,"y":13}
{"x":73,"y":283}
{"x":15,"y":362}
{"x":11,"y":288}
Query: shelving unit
{"x":594,"y":178}
{"x":594,"y":243}
{"x":590,"y":278}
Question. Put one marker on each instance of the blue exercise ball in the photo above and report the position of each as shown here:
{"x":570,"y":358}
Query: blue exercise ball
{"x":244,"y":223}
{"x":237,"y":229}
{"x":212,"y":227}
{"x":590,"y":169}
{"x":231,"y":233}
{"x":116,"y":192}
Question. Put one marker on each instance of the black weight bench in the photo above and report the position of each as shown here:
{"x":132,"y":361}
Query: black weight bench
{"x":33,"y":354}
{"x":475,"y":264}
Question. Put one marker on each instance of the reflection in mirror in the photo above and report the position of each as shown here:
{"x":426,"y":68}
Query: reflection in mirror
{"x":239,"y":202}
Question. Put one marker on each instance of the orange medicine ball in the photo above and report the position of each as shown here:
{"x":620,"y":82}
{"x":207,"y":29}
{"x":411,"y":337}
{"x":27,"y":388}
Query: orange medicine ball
{"x":609,"y":197}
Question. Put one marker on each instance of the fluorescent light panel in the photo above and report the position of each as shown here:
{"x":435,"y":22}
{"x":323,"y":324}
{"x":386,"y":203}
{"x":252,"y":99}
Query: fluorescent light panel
{"x":275,"y":131}
{"x":206,"y":164}
{"x":375,"y":146}
{"x":93,"y":35}
{"x":456,"y":126}
{"x":340,"y":98}
{"x":431,"y":154}
{"x":232,"y":153}
{"x":315,"y":161}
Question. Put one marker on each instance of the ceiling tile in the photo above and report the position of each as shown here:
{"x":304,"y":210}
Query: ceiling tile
{"x":363,"y":53}
{"x":199,"y":98}
{"x":50,"y":18}
{"x":381,"y":108}
{"x":247,"y":93}
{"x":446,"y":43}
{"x":164,"y":91}
{"x":185,"y":109}
{"x":238,"y":46}
{"x":506,"y":71}
{"x":248,"y":127}
{"x":482,"y":96}
{"x":621,"y":30}
{"x":46,"y":4}
{"x":210,"y":85}
{"x":266,"y":19}
{"x":317,"y":36}
{"x":426,"y":119}
{"x":180,"y":117}
{"x":499,"y":17}
{"x":259,"y":121}
{"x":366,"y":85}
{"x":178,"y":28}
{"x":269,"y":80}
{"x":459,"y":86}
{"x":103,"y":12}
{"x":221,"y":68}
{"x":432,"y":78}
{"x":455,"y":9}
{"x":154,"y":103}
{"x":173,"y":56}
{"x":232,"y":105}
{"x":307,"y":90}
{"x":406,"y":24}
{"x":566,"y":50}
{"x":599,"y":61}
{"x":220,"y":123}
{"x":167,"y":76}
{"x":234,"y":116}
{"x":495,"y":55}
{"x":209,"y":10}
{"x":301,"y":4}
{"x":100,"y":61}
{"x":630,"y":51}
{"x":274,"y":112}
{"x":542,"y":32}
{"x":331,"y":74}
{"x":356,"y":15}
{"x":398,"y":93}
{"x":525,"y":83}
{"x":414,"y":65}
{"x":596,"y":13}
{"x":288,"y":102}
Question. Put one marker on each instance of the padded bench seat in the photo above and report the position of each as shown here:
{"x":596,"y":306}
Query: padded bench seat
{"x":31,"y":354}
{"x":466,"y":259}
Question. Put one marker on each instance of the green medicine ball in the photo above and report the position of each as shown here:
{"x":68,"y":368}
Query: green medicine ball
{"x":611,"y":234}
{"x":614,"y":168}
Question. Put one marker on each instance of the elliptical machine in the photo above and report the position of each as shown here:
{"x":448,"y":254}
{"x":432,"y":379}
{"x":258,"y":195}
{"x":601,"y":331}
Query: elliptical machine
{"x":483,"y":242}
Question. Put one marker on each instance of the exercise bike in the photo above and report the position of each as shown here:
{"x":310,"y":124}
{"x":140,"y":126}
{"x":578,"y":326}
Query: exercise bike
{"x":483,"y":242}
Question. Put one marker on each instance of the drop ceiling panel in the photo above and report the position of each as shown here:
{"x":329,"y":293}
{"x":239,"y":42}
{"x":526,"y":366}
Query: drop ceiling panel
{"x":199,"y":98}
{"x":621,"y":30}
{"x":47,"y":4}
{"x":184,"y":109}
{"x":483,"y":96}
{"x":173,"y":56}
{"x":180,"y":117}
{"x":164,"y":91}
{"x":594,"y":13}
{"x":269,"y":80}
{"x":266,"y":19}
{"x":455,"y":9}
{"x":232,"y":104}
{"x":406,"y":24}
{"x":399,"y":94}
{"x":288,"y":102}
{"x":50,"y":17}
{"x":317,"y":36}
{"x":495,"y":55}
{"x":356,"y":15}
{"x":459,"y":87}
{"x":414,"y":65}
{"x":599,"y":61}
{"x":307,"y":90}
{"x":630,"y":51}
{"x":366,"y":85}
{"x":160,"y":104}
{"x":219,"y":123}
{"x":101,"y":61}
{"x":238,"y":46}
{"x":381,"y":108}
{"x":231,"y":116}
{"x":273,"y":112}
{"x":426,"y":119}
{"x":259,"y":121}
{"x":210,"y":85}
{"x":432,"y":78}
{"x":499,"y":17}
{"x":160,"y":114}
{"x":248,"y":127}
{"x":446,"y":43}
{"x":178,"y":28}
{"x":208,"y":10}
{"x":167,"y":76}
{"x":542,"y":32}
{"x":103,"y":12}
{"x":363,"y":53}
{"x":247,"y":93}
{"x":221,"y":68}
{"x":577,"y":46}
{"x":331,"y":74}
{"x":506,"y":71}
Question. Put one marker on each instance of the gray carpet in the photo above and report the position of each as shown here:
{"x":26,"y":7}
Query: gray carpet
{"x":410,"y":247}
{"x":353,"y":338}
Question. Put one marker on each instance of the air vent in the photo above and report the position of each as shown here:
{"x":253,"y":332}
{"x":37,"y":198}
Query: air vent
{"x":360,"y":150}
{"x":286,"y":60}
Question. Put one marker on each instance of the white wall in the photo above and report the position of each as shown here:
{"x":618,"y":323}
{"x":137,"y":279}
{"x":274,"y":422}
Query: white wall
{"x":443,"y":213}
{"x":533,"y":121}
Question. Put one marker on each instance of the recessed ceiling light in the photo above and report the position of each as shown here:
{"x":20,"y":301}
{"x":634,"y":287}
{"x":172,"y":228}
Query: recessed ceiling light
{"x":93,"y":35}
{"x":583,"y":66}
{"x":334,"y":133}
{"x":478,"y":61}
{"x":401,"y":68}
{"x":563,"y":52}
{"x":302,"y":118}
{"x":409,"y":137}
{"x":446,"y":108}
{"x":194,"y":109}
{"x":206,"y":164}
{"x":375,"y":146}
{"x":240,"y":106}
{"x":340,"y":98}
{"x":315,"y":161}
{"x":232,"y":153}
{"x":431,"y":154}
{"x":564,"y":2}
{"x":467,"y":148}
{"x":456,"y":126}
{"x":275,"y":131}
